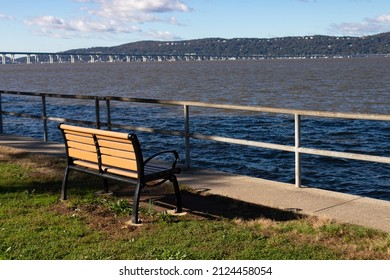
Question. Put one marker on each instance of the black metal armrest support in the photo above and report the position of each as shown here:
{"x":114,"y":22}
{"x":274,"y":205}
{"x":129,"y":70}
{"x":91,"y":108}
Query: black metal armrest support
{"x":176,"y":155}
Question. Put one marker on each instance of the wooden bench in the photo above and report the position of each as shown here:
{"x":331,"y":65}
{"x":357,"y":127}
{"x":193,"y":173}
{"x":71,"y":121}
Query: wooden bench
{"x":118,"y":156}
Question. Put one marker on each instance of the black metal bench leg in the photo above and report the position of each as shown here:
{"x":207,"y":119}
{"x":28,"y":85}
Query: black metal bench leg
{"x":179,"y":208}
{"x":64,"y":183}
{"x":134,"y":214}
{"x":105,"y":184}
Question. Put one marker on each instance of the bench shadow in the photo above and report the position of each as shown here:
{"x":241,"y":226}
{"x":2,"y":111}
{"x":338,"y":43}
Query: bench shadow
{"x":212,"y":207}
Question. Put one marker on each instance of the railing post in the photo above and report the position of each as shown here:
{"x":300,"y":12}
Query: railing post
{"x":1,"y":116}
{"x":108,"y":113}
{"x":97,"y":111}
{"x":44,"y":119}
{"x":187,"y":136}
{"x":297,"y":121}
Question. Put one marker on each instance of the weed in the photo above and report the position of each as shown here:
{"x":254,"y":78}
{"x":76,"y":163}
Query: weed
{"x":120,"y":207}
{"x":166,"y":217}
{"x":150,"y":210}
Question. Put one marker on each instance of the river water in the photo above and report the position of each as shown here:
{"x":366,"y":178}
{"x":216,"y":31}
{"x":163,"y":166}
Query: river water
{"x":359,"y":85}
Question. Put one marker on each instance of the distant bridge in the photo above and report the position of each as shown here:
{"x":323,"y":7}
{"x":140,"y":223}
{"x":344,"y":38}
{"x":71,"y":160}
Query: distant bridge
{"x":73,"y":57}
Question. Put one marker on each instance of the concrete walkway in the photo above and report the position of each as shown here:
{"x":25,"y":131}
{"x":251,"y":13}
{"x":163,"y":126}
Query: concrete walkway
{"x":341,"y":207}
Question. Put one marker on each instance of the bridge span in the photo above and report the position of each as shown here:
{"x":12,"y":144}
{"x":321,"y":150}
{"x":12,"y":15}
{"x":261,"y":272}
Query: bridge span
{"x":74,"y":57}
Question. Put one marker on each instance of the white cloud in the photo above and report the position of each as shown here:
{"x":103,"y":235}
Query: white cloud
{"x":162,"y":35}
{"x":4,"y":16}
{"x":383,"y":19}
{"x":54,"y":26}
{"x":366,"y":27}
{"x":110,"y":16}
{"x":146,"y":6}
{"x":138,"y":11}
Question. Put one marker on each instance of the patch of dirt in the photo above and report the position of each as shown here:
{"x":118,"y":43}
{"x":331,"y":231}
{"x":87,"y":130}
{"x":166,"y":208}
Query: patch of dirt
{"x":97,"y":217}
{"x":161,"y":199}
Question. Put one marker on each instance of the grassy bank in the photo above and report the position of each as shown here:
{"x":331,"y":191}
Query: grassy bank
{"x":34,"y":224}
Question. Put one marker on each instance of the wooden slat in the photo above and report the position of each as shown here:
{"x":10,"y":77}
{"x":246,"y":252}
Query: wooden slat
{"x":119,"y":162}
{"x":114,"y":134}
{"x":130,"y":174}
{"x":81,"y":146}
{"x":121,"y":140}
{"x":153,"y":168}
{"x":80,"y":139}
{"x":115,"y":145}
{"x":74,"y":153}
{"x":117,"y":153}
{"x":86,"y":164}
{"x":116,"y":171}
{"x":78,"y":133}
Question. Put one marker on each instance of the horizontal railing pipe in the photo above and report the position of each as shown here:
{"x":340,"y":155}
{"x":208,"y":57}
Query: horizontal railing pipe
{"x":335,"y":154}
{"x":243,"y":142}
{"x":283,"y":111}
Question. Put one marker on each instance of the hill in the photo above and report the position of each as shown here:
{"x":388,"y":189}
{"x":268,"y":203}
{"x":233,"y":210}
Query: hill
{"x":303,"y":46}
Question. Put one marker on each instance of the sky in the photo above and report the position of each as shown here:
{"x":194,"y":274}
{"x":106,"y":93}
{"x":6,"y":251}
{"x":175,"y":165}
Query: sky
{"x":59,"y":25}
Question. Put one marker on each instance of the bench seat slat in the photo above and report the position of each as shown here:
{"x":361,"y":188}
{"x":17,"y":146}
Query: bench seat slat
{"x":154,"y":169}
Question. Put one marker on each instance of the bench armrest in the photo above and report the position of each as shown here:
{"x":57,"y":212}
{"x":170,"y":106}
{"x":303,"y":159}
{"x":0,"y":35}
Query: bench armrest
{"x":175,"y":154}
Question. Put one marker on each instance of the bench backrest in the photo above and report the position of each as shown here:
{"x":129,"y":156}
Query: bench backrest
{"x":102,"y":148}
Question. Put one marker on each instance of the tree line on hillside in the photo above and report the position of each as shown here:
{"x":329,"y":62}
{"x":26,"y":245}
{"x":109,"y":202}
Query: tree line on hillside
{"x":303,"y":46}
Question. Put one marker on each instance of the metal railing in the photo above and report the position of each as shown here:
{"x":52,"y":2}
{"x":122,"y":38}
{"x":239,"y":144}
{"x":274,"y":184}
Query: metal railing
{"x":297,"y":148}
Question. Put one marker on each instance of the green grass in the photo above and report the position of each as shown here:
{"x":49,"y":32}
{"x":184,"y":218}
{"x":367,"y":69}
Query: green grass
{"x":34,"y":224}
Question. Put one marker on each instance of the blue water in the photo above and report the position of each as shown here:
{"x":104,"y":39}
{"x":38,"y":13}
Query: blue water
{"x":336,"y":85}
